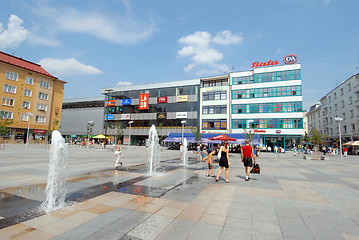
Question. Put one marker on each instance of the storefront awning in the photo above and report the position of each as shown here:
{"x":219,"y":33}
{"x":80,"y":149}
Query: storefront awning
{"x":240,"y":138}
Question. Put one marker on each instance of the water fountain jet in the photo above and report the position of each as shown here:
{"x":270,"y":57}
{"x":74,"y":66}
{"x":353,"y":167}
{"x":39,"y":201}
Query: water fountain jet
{"x":154,"y":147}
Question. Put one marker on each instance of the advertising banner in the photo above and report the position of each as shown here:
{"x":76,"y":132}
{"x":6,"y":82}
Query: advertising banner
{"x":110,"y":117}
{"x":126,"y":101}
{"x":125,"y":116}
{"x":161,"y":116}
{"x":183,"y":98}
{"x":38,"y":131}
{"x":143,"y":104}
{"x":110,"y":103}
{"x":161,"y":99}
{"x":181,"y":114}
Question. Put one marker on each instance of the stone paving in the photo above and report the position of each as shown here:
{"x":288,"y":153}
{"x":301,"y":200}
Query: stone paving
{"x":292,"y":198}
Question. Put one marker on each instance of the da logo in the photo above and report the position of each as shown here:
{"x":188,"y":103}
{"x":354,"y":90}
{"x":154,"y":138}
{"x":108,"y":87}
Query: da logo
{"x":290,"y":59}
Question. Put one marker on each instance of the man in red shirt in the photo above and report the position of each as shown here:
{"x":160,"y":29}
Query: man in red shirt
{"x":247,"y":155}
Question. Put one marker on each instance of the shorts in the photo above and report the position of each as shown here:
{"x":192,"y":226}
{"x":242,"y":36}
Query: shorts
{"x":247,"y":162}
{"x":210,"y":166}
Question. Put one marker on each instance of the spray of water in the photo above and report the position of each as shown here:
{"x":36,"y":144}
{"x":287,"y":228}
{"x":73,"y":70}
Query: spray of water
{"x":185,"y":152}
{"x":55,"y":188}
{"x":154,"y":147}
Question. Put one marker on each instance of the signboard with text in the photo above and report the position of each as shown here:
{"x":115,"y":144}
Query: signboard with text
{"x":161,"y":116}
{"x":143,"y":104}
{"x":125,"y":116}
{"x":181,"y":114}
{"x":126,"y":101}
{"x":110,"y":117}
{"x":161,"y":99}
{"x":183,"y":98}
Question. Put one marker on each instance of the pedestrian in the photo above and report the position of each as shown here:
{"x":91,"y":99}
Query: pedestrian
{"x":203,"y":153}
{"x":275,"y":149}
{"x":181,"y":150}
{"x":118,"y":155}
{"x":258,"y":151}
{"x":247,"y":155}
{"x":224,"y":161}
{"x":345,"y":151}
{"x":210,"y":163}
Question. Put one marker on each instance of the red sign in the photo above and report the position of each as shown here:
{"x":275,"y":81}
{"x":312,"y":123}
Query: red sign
{"x":143,"y":105}
{"x":110,"y":103}
{"x":161,"y":99}
{"x":290,"y":59}
{"x":38,"y":131}
{"x":263,"y":64}
{"x":259,"y":130}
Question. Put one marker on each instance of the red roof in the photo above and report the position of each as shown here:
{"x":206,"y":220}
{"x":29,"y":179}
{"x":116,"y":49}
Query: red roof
{"x":19,"y":62}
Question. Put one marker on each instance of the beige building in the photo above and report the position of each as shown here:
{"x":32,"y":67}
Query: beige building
{"x":31,"y":97}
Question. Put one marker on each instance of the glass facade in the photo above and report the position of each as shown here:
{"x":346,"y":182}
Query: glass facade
{"x":268,"y":77}
{"x":281,"y":123}
{"x":281,"y":91}
{"x":267,"y":107}
{"x":214,"y":124}
{"x":209,"y":96}
{"x":217,"y":109}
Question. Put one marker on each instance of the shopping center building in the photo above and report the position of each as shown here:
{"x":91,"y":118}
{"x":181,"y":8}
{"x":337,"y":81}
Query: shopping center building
{"x":268,"y":100}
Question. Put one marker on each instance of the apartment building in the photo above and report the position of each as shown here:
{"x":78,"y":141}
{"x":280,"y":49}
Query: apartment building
{"x":31,"y":97}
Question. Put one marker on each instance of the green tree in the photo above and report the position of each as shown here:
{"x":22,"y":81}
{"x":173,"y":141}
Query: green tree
{"x":4,"y":123}
{"x":249,"y":134}
{"x":54,"y":124}
{"x":119,"y":131}
{"x":317,"y":138}
{"x":197,"y":133}
{"x":306,"y":138}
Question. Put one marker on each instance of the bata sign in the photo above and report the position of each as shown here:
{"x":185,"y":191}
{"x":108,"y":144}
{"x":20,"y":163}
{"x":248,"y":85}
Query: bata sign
{"x":263,"y":64}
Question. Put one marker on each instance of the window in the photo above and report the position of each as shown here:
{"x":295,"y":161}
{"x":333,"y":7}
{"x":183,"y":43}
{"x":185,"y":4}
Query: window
{"x":341,"y":92}
{"x":7,"y":101}
{"x":6,"y":114}
{"x":27,"y":92}
{"x":330,"y":99}
{"x":349,"y":87}
{"x":9,"y":88}
{"x":43,"y":96}
{"x":29,"y":80}
{"x":335,"y":95}
{"x":335,"y":107}
{"x":353,"y":127}
{"x":26,"y":104}
{"x":342,"y":103}
{"x":350,"y":100}
{"x":24,"y":117}
{"x":11,"y":76}
{"x":351,"y":113}
{"x":343,"y":115}
{"x":345,"y":129}
{"x":46,"y":85}
{"x":42,"y":107}
{"x":41,"y":119}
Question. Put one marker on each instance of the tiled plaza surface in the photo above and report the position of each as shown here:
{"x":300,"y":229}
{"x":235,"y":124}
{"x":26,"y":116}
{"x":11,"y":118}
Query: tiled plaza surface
{"x":292,"y":198}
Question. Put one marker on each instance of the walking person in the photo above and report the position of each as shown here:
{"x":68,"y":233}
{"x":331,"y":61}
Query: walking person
{"x":210,"y":163}
{"x":118,"y":155}
{"x":247,"y":155}
{"x":224,"y":161}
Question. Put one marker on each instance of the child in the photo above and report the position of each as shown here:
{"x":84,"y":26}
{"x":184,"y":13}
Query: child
{"x":203,"y":152}
{"x":119,"y":155}
{"x":210,"y":163}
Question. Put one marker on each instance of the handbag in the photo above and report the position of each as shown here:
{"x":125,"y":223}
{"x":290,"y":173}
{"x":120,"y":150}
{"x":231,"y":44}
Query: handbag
{"x":219,"y":154}
{"x":256,"y":169}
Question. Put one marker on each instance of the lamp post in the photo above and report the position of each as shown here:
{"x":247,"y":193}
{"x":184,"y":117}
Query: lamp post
{"x":183,"y":123}
{"x":129,"y":134}
{"x":340,"y":136}
{"x":29,"y":114}
{"x":106,"y":99}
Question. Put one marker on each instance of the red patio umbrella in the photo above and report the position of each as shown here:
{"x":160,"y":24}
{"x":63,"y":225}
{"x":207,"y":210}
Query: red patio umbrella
{"x":222,"y":137}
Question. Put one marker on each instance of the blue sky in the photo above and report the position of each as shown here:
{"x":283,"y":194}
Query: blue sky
{"x":99,"y":44}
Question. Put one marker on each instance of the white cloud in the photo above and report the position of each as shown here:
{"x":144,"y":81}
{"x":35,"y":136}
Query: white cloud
{"x":205,"y":59}
{"x":127,"y":31}
{"x":226,"y":37}
{"x":279,"y":51}
{"x":14,"y":35}
{"x":124,"y":83}
{"x":66,"y":67}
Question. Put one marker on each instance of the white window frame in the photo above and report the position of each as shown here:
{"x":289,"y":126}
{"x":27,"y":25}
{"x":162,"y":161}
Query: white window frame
{"x":9,"y":88}
{"x":44,"y":84}
{"x":29,"y":80}
{"x":26,"y":104}
{"x":12,"y":76}
{"x":42,"y":107}
{"x":40,"y":119}
{"x":7,"y":101}
{"x":43,"y":96}
{"x":24,"y":117}
{"x":29,"y":91}
{"x":6,"y":114}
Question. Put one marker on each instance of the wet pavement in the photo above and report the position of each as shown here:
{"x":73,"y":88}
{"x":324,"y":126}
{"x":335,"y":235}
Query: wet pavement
{"x":292,"y":198}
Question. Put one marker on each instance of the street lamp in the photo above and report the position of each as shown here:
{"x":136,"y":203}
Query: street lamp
{"x":340,"y":136}
{"x":29,"y":114}
{"x":129,"y":139}
{"x":183,"y":123}
{"x":106,"y":99}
